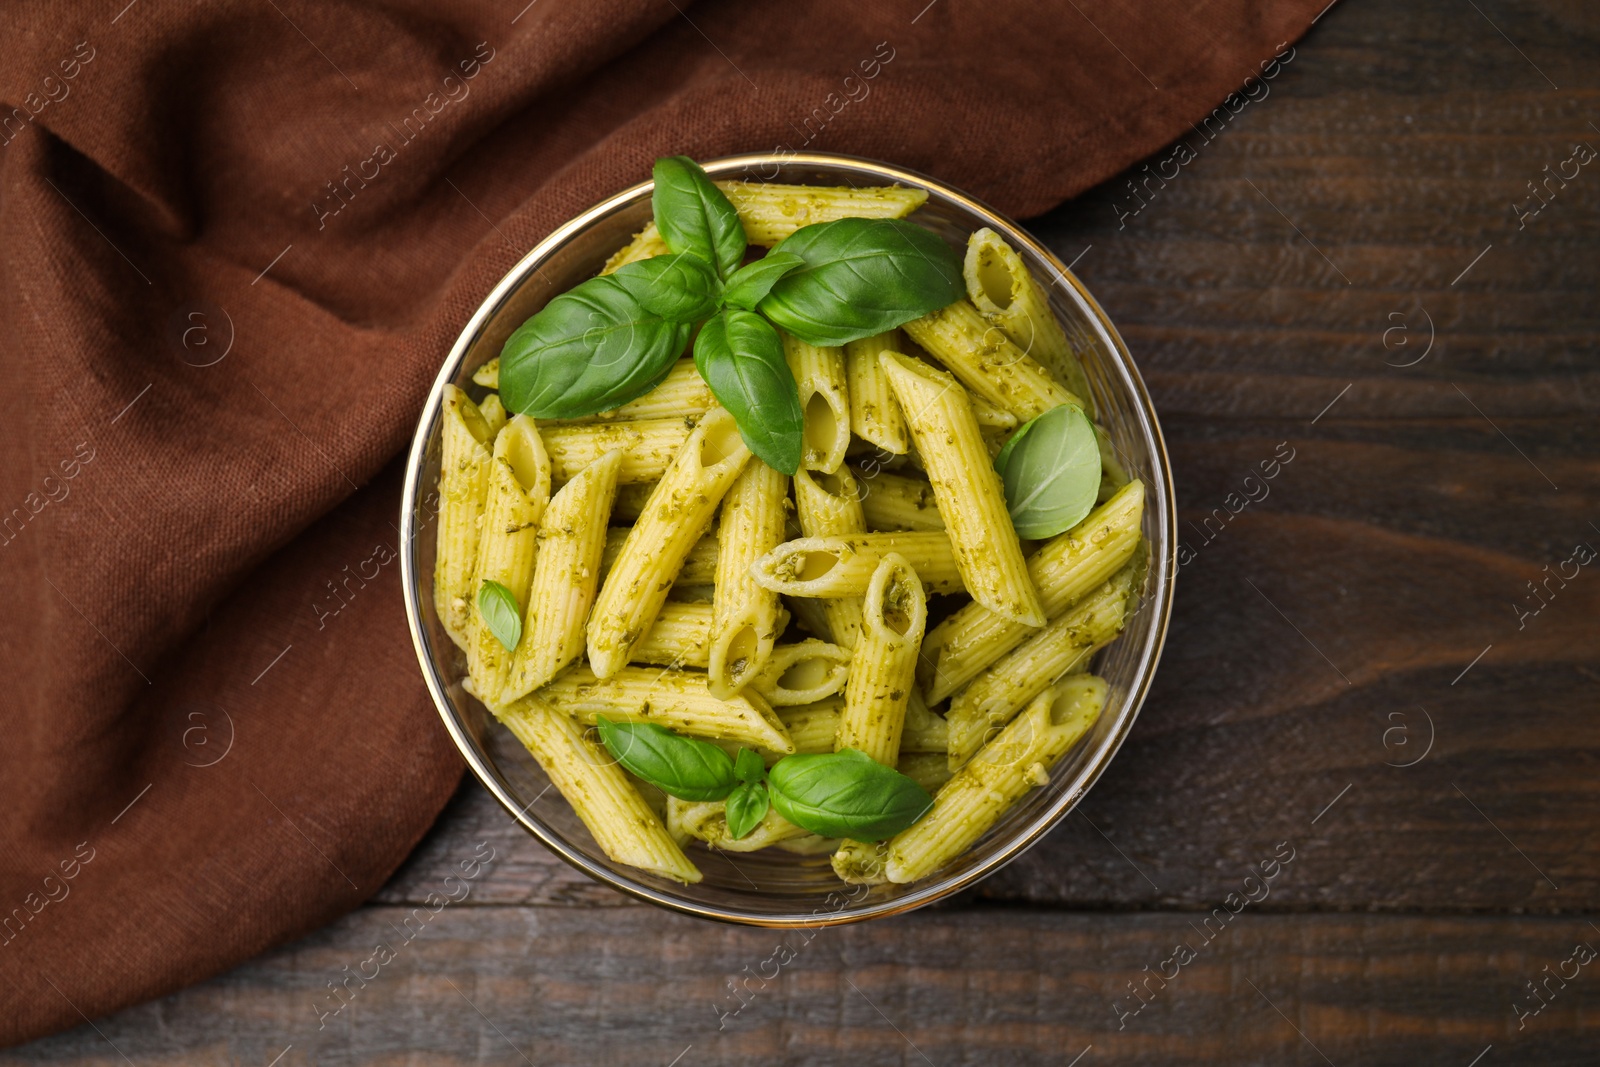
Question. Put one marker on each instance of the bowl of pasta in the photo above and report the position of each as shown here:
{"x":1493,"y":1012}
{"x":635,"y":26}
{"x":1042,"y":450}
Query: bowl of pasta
{"x":789,"y":540}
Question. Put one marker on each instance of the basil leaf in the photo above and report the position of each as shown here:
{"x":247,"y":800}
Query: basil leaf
{"x":593,"y":348}
{"x":747,"y":806}
{"x":741,"y":358}
{"x":684,"y":767}
{"x":845,"y":794}
{"x":677,"y":288}
{"x":861,"y":277}
{"x":694,"y":216}
{"x":501,"y":613}
{"x":748,"y":766}
{"x":1051,"y":471}
{"x":754,"y":280}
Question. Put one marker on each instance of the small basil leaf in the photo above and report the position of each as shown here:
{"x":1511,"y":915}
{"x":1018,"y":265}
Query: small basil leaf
{"x":845,"y":794}
{"x":753,"y":281}
{"x":501,"y":613}
{"x":861,"y":277}
{"x":1051,"y":471}
{"x":747,"y":806}
{"x":678,"y":288}
{"x":748,"y":766}
{"x":684,"y":767}
{"x":694,"y":216}
{"x":741,"y":358}
{"x":593,"y":348}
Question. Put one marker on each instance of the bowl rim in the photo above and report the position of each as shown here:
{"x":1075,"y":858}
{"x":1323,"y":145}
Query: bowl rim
{"x":1163,"y":572}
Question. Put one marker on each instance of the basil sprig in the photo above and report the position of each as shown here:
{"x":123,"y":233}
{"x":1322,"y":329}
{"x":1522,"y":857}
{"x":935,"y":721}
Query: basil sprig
{"x":846,"y":794}
{"x":613,"y":338}
{"x":1051,"y":472}
{"x":501,"y":613}
{"x":835,"y":794}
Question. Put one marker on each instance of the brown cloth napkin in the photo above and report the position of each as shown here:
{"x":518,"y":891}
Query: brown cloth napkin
{"x":237,"y":240}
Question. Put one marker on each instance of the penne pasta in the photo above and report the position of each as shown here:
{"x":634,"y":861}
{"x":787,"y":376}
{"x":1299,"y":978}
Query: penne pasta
{"x":969,"y":493}
{"x":813,"y":727}
{"x":518,"y":493}
{"x":884,"y":662}
{"x":925,"y":731}
{"x":842,"y":566}
{"x":1018,"y":759}
{"x":648,"y":447}
{"x":1065,"y":646}
{"x":566,"y":575}
{"x":678,"y":513}
{"x":771,"y":212}
{"x":680,"y":700}
{"x":622,"y":824}
{"x":987,"y":362}
{"x":681,"y":394}
{"x":828,"y":504}
{"x":930,"y":770}
{"x":680,"y":637}
{"x":647,"y":243}
{"x":1067,"y":567}
{"x":463,"y":484}
{"x":802,"y":673}
{"x":1006,"y":294}
{"x":896,"y":502}
{"x":488,"y":375}
{"x":861,"y":862}
{"x":745,"y":623}
{"x":707,"y":821}
{"x":699,"y":566}
{"x":874,"y":412}
{"x":494,"y":415}
{"x":824,"y":403}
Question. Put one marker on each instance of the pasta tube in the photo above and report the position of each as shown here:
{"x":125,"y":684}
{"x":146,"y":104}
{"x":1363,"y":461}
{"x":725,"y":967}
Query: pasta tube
{"x":987,"y":362}
{"x":707,"y":820}
{"x":699,"y":566}
{"x":930,"y":770}
{"x":802,"y":673}
{"x":1007,"y":295}
{"x":680,"y":637}
{"x":681,"y":394}
{"x":566,"y":574}
{"x":843,"y":566}
{"x":771,"y":212}
{"x":648,"y":446}
{"x":494,"y":414}
{"x":813,"y":726}
{"x":884,"y":662}
{"x":925,"y":731}
{"x":519,"y":492}
{"x":488,"y":375}
{"x":677,"y":699}
{"x":622,"y":824}
{"x":678,"y":513}
{"x":463,"y":484}
{"x":1018,"y":759}
{"x":745,"y":622}
{"x":861,"y":862}
{"x":824,"y":403}
{"x":1064,"y":646}
{"x":1067,"y":567}
{"x":896,"y":502}
{"x":647,"y":243}
{"x":874,"y":412}
{"x":969,"y":493}
{"x":829,"y":504}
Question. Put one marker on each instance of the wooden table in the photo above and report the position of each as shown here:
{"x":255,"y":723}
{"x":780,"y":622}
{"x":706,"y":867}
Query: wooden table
{"x":1355,"y":676}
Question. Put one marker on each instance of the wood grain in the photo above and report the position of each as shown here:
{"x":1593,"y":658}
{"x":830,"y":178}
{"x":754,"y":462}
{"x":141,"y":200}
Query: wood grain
{"x":631,"y":985}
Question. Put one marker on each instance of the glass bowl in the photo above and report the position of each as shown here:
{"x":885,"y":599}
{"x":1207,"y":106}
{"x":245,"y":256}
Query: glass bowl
{"x":771,"y":887}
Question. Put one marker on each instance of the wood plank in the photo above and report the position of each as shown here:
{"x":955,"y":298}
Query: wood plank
{"x":633,"y":985}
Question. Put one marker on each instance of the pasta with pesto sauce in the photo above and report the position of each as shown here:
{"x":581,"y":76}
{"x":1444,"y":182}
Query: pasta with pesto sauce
{"x":657,"y":573}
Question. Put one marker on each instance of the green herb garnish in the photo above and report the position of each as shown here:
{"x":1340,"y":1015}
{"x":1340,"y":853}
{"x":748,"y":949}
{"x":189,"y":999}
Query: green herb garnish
{"x":613,"y":338}
{"x":1051,"y":471}
{"x":835,"y":794}
{"x":501,"y":613}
